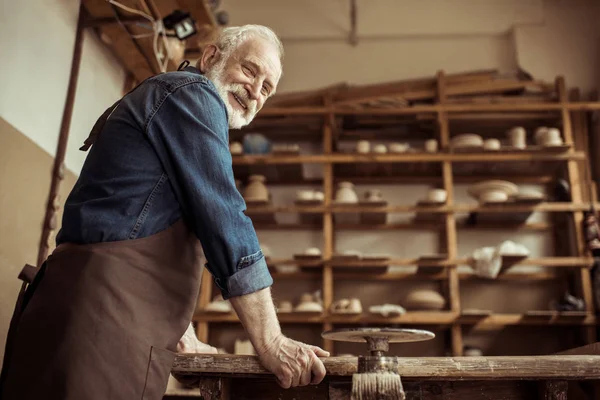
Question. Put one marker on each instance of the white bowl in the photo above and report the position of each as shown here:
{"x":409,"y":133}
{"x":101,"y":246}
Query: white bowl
{"x":493,"y":185}
{"x":491,"y":144}
{"x":493,"y":196}
{"x":437,"y":195}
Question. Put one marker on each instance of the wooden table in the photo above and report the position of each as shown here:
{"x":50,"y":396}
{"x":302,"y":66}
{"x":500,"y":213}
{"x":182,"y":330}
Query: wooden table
{"x":557,"y":377}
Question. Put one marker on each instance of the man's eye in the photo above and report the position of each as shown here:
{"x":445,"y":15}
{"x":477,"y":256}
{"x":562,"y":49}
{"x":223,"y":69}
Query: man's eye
{"x":265,"y":91}
{"x":247,"y":71}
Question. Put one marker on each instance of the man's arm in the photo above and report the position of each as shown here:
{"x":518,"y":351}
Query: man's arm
{"x":292,"y":362}
{"x":189,"y":133}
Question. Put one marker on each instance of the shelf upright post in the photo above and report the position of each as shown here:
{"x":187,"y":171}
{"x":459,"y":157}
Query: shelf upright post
{"x":206,"y":286}
{"x":328,"y":232}
{"x":450,"y":223}
{"x":584,"y":278}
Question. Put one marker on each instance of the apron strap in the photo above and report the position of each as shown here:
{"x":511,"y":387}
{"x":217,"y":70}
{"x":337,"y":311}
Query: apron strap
{"x":28,"y":275}
{"x":99,"y":125}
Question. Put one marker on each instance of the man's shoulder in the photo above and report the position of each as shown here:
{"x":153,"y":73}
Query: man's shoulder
{"x":177,"y":79}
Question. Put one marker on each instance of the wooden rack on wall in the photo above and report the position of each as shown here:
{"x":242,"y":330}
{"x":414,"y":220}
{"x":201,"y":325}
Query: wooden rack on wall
{"x":443,"y":111}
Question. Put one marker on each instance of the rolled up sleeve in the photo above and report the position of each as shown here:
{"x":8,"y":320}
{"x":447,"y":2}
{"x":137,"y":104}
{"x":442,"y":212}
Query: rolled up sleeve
{"x":189,"y":132}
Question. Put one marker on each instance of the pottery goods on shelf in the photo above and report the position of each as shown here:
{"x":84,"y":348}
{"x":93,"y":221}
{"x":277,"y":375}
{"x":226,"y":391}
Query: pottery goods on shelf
{"x":309,"y":195}
{"x":285,"y":148}
{"x":285,"y":307}
{"x":493,"y":191}
{"x":431,"y":146}
{"x":310,"y":302}
{"x":436,"y":196}
{"x":345,"y":193}
{"x":380,"y":148}
{"x":373,"y":195}
{"x":424,"y":299}
{"x":545,"y":136}
{"x":387,"y":310}
{"x":517,"y":137}
{"x":488,"y":261}
{"x":256,"y":143}
{"x":346,"y":306}
{"x":236,"y":148}
{"x":363,"y":146}
{"x":266,"y":250}
{"x":466,"y":140}
{"x":469,"y":351}
{"x":218,"y":305}
{"x":491,"y":144}
{"x":256,"y":189}
{"x":399,"y":147}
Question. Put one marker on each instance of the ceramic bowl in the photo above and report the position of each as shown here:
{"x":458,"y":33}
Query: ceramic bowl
{"x":305,"y":195}
{"x":431,"y":146}
{"x":399,"y":147}
{"x":493,"y":196}
{"x":491,"y":144}
{"x":319,"y":196}
{"x":363,"y":146}
{"x":312,"y":251}
{"x":424,"y":299}
{"x":380,"y":148}
{"x":437,"y":195}
{"x":236,"y":148}
{"x":493,"y":185}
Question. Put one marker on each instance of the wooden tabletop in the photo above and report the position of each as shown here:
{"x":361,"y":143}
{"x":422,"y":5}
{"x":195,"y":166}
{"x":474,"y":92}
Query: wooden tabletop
{"x":563,"y":367}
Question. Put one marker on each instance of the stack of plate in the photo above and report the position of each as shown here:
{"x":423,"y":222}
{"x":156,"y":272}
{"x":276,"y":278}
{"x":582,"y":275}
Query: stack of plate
{"x":466,"y":140}
{"x":493,"y":191}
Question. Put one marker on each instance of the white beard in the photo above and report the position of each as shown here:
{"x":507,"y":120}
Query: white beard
{"x":236,"y":117}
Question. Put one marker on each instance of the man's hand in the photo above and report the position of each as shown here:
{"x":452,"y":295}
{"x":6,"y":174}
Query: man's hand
{"x":189,"y":343}
{"x":293,"y":363}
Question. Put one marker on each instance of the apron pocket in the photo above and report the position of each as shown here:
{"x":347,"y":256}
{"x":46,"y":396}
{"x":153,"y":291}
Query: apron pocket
{"x":157,"y":375}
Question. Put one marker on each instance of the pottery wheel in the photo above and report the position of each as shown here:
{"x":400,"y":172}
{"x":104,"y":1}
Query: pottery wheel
{"x":393,"y":335}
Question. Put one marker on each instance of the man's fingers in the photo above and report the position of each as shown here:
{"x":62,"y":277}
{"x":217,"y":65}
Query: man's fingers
{"x":318,"y":370}
{"x":319,"y":351}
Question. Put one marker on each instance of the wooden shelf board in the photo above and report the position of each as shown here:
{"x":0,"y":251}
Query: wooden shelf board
{"x":465,"y":208}
{"x":415,"y":317}
{"x":341,"y":158}
{"x":396,"y":276}
{"x":449,"y":108}
{"x":501,"y":320}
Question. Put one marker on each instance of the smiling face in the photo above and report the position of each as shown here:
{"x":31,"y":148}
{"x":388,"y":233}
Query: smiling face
{"x":245,"y":79}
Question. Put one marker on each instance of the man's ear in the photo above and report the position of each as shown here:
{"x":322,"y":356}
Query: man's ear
{"x":209,"y":57}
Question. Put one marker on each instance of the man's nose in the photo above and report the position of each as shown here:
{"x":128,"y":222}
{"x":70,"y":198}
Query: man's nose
{"x":253,"y":90}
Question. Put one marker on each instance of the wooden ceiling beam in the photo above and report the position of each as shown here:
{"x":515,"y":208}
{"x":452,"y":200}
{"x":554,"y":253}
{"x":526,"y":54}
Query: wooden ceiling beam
{"x":123,"y":45}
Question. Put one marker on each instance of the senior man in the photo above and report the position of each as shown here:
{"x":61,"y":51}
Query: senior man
{"x":106,"y":312}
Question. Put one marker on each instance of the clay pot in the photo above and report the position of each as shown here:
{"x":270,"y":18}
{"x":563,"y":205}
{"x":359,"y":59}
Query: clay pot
{"x":345,"y":193}
{"x":373,"y":195}
{"x":424,"y":300}
{"x":256,"y":189}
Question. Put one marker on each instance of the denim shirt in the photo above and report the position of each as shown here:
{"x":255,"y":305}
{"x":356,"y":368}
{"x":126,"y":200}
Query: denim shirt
{"x":162,"y":155}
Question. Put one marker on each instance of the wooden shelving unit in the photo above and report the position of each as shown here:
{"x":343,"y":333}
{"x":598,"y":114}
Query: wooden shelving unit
{"x":325,"y":123}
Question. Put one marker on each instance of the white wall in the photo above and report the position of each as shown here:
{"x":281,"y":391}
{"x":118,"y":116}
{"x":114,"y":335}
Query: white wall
{"x":401,"y":39}
{"x":36,"y":44}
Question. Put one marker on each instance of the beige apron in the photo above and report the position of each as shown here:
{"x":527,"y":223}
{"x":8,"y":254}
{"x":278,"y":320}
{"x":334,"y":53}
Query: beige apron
{"x":104,"y":320}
